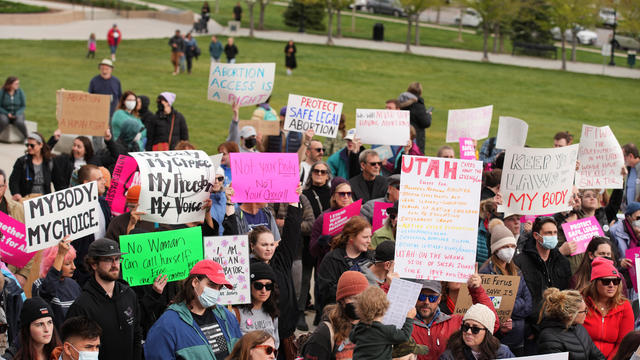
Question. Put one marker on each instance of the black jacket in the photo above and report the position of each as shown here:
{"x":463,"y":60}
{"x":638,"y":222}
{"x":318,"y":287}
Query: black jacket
{"x":418,"y":118}
{"x":21,"y":179}
{"x":231,"y":51}
{"x":118,"y":316}
{"x":361,"y":191}
{"x":540,"y":275}
{"x":81,"y":275}
{"x":159,"y":127}
{"x":556,"y":338}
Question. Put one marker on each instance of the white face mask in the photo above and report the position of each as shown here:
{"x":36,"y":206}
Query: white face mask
{"x":130,"y":104}
{"x":86,"y":355}
{"x":138,"y":137}
{"x":506,"y":254}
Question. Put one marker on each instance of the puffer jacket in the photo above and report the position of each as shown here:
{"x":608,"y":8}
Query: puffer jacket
{"x":607,"y":331}
{"x":555,"y":337}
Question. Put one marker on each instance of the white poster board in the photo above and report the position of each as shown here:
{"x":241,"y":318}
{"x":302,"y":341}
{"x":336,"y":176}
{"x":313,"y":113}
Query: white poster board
{"x":383,"y":127}
{"x":304,"y":113}
{"x":511,"y":132}
{"x":402,"y":296}
{"x":248,"y":84}
{"x":232,"y":252}
{"x":472,"y":123}
{"x":601,"y":159}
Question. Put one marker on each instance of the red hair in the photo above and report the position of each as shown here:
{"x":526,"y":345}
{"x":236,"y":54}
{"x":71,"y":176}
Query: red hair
{"x":49,"y":255}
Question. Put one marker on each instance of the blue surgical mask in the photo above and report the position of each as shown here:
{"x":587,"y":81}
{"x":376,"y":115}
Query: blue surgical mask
{"x":549,"y":241}
{"x":209,"y":297}
{"x":86,"y":355}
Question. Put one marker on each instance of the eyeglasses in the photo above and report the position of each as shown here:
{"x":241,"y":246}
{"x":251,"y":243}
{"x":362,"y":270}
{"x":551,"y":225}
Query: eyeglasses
{"x":318,"y":150}
{"x":432,"y":298}
{"x":474,"y":329}
{"x":259,"y":286}
{"x":29,"y":145}
{"x":379,"y":163}
{"x":220,"y":178}
{"x":320,"y":172}
{"x":589,"y":196}
{"x":607,"y":282}
{"x":344,"y":193}
{"x":115,"y":259}
{"x":268,"y":349}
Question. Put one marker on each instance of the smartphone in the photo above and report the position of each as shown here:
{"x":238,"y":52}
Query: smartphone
{"x":430,"y":109}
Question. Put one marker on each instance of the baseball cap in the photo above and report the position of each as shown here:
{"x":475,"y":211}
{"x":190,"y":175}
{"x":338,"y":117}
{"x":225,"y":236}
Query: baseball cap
{"x":247,"y":131}
{"x":106,"y":62}
{"x":394,"y":180}
{"x":351,"y":134}
{"x":432,"y":285}
{"x":104,"y":247}
{"x":211,"y":270}
{"x":385,"y":251}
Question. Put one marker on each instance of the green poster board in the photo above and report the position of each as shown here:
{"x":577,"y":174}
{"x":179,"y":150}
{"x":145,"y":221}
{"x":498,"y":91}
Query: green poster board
{"x":172,"y":253}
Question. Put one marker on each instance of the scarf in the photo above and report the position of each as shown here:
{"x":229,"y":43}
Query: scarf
{"x":633,"y":239}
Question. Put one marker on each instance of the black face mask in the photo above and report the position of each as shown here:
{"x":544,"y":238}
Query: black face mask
{"x":250,"y":142}
{"x":350,"y":311}
{"x":160,"y":107}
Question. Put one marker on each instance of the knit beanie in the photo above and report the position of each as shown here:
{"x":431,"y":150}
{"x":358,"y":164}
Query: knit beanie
{"x":335,"y":182}
{"x":500,"y":235}
{"x":261,"y":271}
{"x":133,"y":194}
{"x":351,"y":283}
{"x":632,"y":207}
{"x":601,"y":267}
{"x":483,"y":315}
{"x":34,"y":309}
{"x":169,"y":96}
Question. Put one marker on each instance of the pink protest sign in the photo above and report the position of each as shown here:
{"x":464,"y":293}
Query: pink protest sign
{"x":265,"y":177}
{"x":333,"y":222}
{"x":379,"y":214}
{"x":632,"y":254}
{"x":124,"y":176}
{"x":581,"y":232}
{"x":467,"y":149}
{"x":13,"y":242}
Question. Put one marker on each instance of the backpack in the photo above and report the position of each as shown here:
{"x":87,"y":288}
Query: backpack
{"x":269,"y":115}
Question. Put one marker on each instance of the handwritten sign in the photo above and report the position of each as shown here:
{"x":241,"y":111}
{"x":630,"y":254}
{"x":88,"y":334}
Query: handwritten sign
{"x":511,"y":132}
{"x":384,"y":152}
{"x":472,"y":123}
{"x":402,"y":296}
{"x":263,"y":127}
{"x":633,"y":254}
{"x":467,"y":149}
{"x":13,"y":242}
{"x":173,"y":185}
{"x":438,"y":218}
{"x":51,"y":217}
{"x":601,"y":159}
{"x":172,"y":253}
{"x":265,"y":177}
{"x":304,"y":113}
{"x":581,"y":232}
{"x":232,"y":252}
{"x":384,"y":127}
{"x":82,"y":113}
{"x":501,"y":289}
{"x":333,"y":222}
{"x":537,"y":181}
{"x":125,"y":174}
{"x":379,"y":214}
{"x":247,"y":84}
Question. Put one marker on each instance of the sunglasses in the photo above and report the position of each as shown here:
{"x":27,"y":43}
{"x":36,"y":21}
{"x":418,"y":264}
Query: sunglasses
{"x":220,"y":178}
{"x":344,"y":193}
{"x":259,"y":286}
{"x":320,"y":172}
{"x":319,"y":150}
{"x":607,"y":282}
{"x":393,"y":217}
{"x":474,"y":329}
{"x":268,"y":349}
{"x":423,"y":297}
{"x":30,"y":145}
{"x":379,"y":163}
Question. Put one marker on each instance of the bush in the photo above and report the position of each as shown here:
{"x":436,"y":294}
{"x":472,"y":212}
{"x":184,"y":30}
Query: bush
{"x":109,"y":4}
{"x":312,"y":14}
{"x":8,"y":7}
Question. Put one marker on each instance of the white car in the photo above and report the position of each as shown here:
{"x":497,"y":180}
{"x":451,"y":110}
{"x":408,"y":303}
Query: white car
{"x":584,"y":36}
{"x":470,"y":17}
{"x":607,"y":16}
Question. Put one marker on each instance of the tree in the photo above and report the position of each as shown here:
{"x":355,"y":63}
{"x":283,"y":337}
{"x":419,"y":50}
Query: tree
{"x":412,"y":8}
{"x":305,"y":14}
{"x":489,"y":10}
{"x":566,"y":15}
{"x":335,"y":6}
{"x":507,"y":10}
{"x":250,"y":5}
{"x":532,"y":24}
{"x":263,"y":6}
{"x":630,"y":17}
{"x":427,"y":5}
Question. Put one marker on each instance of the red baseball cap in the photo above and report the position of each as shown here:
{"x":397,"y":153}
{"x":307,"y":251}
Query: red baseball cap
{"x":211,"y":270}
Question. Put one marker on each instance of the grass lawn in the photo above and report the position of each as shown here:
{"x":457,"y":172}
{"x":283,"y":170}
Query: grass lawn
{"x":549,"y":101}
{"x":9,"y":7}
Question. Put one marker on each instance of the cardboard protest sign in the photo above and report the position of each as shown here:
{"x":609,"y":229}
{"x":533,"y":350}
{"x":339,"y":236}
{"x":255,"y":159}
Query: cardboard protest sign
{"x":502,"y":291}
{"x":633,"y":254}
{"x":247,"y":84}
{"x":333,"y":222}
{"x":232,"y":252}
{"x":511,"y":132}
{"x":537,"y":181}
{"x":215,"y":160}
{"x":581,"y":232}
{"x":125,"y":175}
{"x":263,"y":127}
{"x":402,"y":296}
{"x":467,"y":149}
{"x":601,"y":159}
{"x":472,"y":123}
{"x":265,"y":177}
{"x":51,"y":217}
{"x":383,"y":127}
{"x":438,"y":218}
{"x":173,"y":185}
{"x":379,"y":214}
{"x":13,"y":242}
{"x":304,"y":113}
{"x":82,"y":113}
{"x":172,"y":253}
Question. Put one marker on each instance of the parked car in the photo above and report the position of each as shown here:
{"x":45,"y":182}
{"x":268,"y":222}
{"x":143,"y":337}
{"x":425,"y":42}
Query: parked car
{"x":359,"y":4}
{"x":584,"y":36}
{"x":470,"y":17}
{"x":626,"y":43}
{"x":607,"y":16}
{"x":390,"y":7}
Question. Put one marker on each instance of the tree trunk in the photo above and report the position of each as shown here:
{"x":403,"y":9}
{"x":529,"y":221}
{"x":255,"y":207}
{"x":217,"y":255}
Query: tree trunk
{"x":496,"y":30}
{"x":564,"y":54}
{"x":263,"y":6}
{"x":330,"y":27}
{"x":460,"y":26}
{"x":501,"y":46}
{"x":485,"y":42}
{"x":417,"y":25}
{"x":339,"y":23}
{"x":353,"y":19}
{"x":574,"y":44}
{"x":250,"y":5}
{"x":438,"y":15}
{"x":408,"y":42}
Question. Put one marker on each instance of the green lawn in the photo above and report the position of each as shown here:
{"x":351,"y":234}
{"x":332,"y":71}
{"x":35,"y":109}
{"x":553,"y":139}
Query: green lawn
{"x":9,"y":7}
{"x":549,"y":101}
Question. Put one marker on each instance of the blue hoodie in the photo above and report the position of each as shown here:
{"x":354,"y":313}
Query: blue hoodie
{"x":177,"y":335}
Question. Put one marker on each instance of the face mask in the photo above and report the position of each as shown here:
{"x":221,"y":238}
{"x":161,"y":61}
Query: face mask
{"x":160,"y":107}
{"x":636,"y":224}
{"x":250,"y":143}
{"x":86,"y":355}
{"x":350,"y":311}
{"x":130,"y":104}
{"x":549,"y":241}
{"x":506,"y":254}
{"x":209,"y":297}
{"x":138,"y":137}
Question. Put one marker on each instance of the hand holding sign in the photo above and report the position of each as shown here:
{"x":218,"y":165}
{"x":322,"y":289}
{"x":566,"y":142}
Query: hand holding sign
{"x":475,"y":280}
{"x":159,"y":283}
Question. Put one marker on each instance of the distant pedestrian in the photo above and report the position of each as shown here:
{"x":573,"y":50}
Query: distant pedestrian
{"x":237,"y":12}
{"x":92,"y":45}
{"x":114,"y":36}
{"x":290,"y":57}
{"x":107,"y":84}
{"x":205,"y":16}
{"x":215,"y":49}
{"x":231,"y":50}
{"x":191,"y":50}
{"x":177,"y":50}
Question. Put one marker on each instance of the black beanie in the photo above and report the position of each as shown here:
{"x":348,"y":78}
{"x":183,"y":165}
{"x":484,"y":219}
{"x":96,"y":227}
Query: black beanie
{"x":34,"y":309}
{"x":261,"y":271}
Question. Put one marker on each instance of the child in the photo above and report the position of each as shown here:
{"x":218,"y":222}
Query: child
{"x":373,"y":339}
{"x":92,"y":46}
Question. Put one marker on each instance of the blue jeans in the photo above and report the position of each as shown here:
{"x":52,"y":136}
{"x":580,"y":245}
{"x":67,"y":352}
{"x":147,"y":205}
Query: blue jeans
{"x":113,"y":48}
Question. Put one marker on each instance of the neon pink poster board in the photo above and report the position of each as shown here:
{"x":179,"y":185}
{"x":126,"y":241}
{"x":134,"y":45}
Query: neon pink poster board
{"x":265,"y":177}
{"x":124,"y":176}
{"x":379,"y":214}
{"x":467,"y":149}
{"x":13,"y":242}
{"x":632,"y":254}
{"x":581,"y":232}
{"x":333,"y":222}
